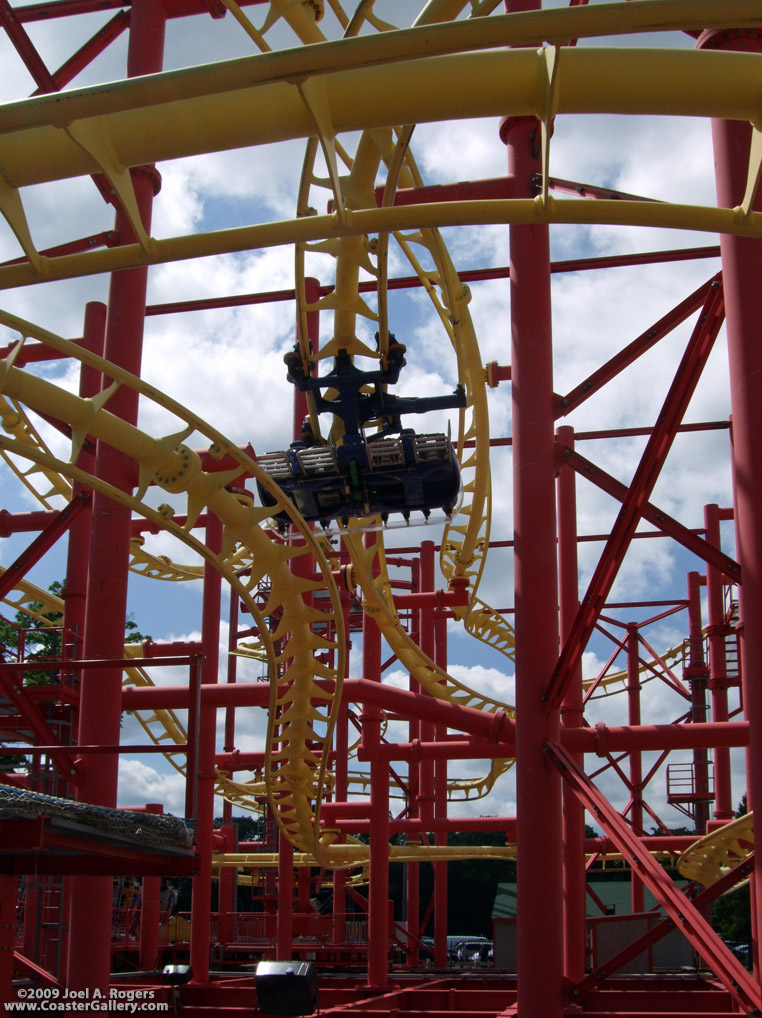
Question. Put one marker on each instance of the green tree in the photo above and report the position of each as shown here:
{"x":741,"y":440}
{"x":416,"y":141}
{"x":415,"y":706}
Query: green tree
{"x":41,"y":642}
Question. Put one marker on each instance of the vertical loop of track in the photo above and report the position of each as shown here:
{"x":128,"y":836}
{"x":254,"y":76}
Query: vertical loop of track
{"x":308,"y":622}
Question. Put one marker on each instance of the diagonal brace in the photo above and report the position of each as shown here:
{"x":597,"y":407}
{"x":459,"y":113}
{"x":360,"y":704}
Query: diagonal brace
{"x":634,"y":504}
{"x":667,"y":524}
{"x":642,"y":943}
{"x":680,"y":909}
{"x":43,"y":542}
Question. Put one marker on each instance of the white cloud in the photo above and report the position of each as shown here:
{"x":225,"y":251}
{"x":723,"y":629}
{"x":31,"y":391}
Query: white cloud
{"x":140,"y":784}
{"x":226,"y":364}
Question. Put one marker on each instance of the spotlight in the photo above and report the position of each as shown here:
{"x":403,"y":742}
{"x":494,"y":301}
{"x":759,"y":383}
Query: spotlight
{"x":286,"y":987}
{"x":177,"y":975}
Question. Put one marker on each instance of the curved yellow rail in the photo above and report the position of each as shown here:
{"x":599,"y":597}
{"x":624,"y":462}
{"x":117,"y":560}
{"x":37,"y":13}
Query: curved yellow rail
{"x":25,"y":594}
{"x":39,"y":479}
{"x":715,"y":854}
{"x":298,"y":736}
{"x":305,"y":695}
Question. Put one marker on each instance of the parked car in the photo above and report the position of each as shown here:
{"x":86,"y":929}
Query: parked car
{"x":466,"y":951}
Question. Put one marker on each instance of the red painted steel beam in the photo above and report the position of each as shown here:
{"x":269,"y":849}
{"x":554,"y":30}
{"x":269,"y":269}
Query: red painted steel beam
{"x":591,"y":190}
{"x":378,"y":854}
{"x":636,"y":349}
{"x":494,"y":729}
{"x":572,"y":716}
{"x":176,"y":648}
{"x":43,"y":542}
{"x":676,"y":843}
{"x":69,"y":8}
{"x":21,"y":523}
{"x":204,"y":774}
{"x":618,"y":961}
{"x":539,"y":835}
{"x":87,"y":664}
{"x":87,"y":53}
{"x":61,"y":695}
{"x":446,"y":749}
{"x":684,"y":914}
{"x":734,"y":154}
{"x":717,"y":631}
{"x":89,"y":955}
{"x":639,"y":492}
{"x":38,"y":351}
{"x":40,"y":976}
{"x":497,"y":187}
{"x":457,"y":595}
{"x":589,"y":436}
{"x":175,"y":747}
{"x":65,"y":9}
{"x":42,"y":731}
{"x":467,"y":276}
{"x":9,"y":19}
{"x":620,"y":261}
{"x":466,"y":190}
{"x":665,"y":523}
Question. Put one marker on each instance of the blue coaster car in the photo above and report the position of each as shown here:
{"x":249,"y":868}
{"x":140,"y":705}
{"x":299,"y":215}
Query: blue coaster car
{"x":392,"y":470}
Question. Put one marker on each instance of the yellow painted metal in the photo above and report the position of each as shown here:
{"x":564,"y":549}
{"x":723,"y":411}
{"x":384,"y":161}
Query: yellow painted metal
{"x":491,"y":83}
{"x":467,"y":537}
{"x":45,"y":484}
{"x":305,"y":694}
{"x":26,"y":595}
{"x":331,"y":88}
{"x":716,"y":853}
{"x":208,"y":109}
{"x":369,"y":221}
{"x":386,"y":48}
{"x":359,"y":851}
{"x":373,"y":579}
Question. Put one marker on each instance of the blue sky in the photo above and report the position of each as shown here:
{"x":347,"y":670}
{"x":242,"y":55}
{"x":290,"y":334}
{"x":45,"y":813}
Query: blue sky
{"x":227,"y":366}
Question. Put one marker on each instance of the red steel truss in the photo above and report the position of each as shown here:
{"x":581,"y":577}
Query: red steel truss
{"x":70,"y":727}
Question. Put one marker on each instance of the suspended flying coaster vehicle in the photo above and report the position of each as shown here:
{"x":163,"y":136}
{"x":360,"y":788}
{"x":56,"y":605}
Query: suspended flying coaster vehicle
{"x":389,"y":469}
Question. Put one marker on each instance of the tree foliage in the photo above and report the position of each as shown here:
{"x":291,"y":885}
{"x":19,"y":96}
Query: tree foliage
{"x":28,"y":638}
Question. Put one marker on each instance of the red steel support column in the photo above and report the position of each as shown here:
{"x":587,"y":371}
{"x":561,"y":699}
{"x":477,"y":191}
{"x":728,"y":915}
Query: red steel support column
{"x":74,"y":592}
{"x":636,"y":759}
{"x":440,"y":809}
{"x":150,"y":896}
{"x":378,"y":889}
{"x":718,"y":674}
{"x":232,"y":676}
{"x":341,"y":784}
{"x":227,"y":894}
{"x":201,"y":901}
{"x":78,"y":551}
{"x":8,"y":900}
{"x":100,"y":706}
{"x":742,"y":271}
{"x":572,"y":715}
{"x":284,"y":920}
{"x":539,"y":834}
{"x":539,"y":831}
{"x":697,"y":675}
{"x":426,"y":623}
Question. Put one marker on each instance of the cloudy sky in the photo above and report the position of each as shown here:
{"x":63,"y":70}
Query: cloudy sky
{"x":226,"y":365}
